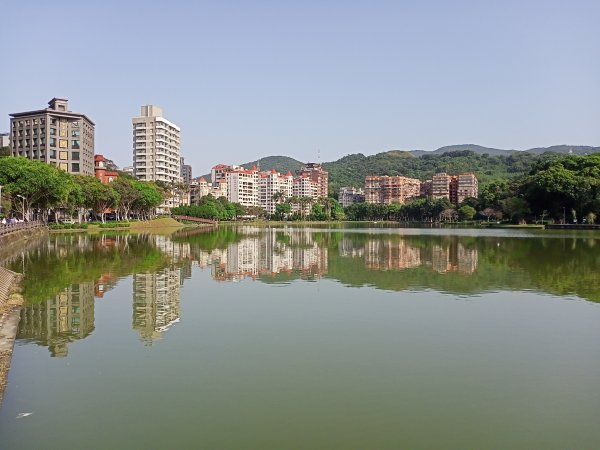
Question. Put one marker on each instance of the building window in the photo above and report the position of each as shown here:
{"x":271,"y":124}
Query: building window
{"x":63,"y":143}
{"x":75,"y":167}
{"x":63,"y":155}
{"x":75,"y":124}
{"x":75,"y":156}
{"x":52,"y":131}
{"x":75,"y":143}
{"x":63,"y":166}
{"x":53,"y":153}
{"x":75,"y":133}
{"x":53,"y":121}
{"x":52,"y":142}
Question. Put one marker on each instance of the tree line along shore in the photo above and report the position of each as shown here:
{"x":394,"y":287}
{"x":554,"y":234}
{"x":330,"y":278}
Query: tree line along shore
{"x":556,"y":188}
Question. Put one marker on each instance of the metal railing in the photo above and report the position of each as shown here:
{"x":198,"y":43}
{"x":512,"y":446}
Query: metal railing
{"x":12,"y":227}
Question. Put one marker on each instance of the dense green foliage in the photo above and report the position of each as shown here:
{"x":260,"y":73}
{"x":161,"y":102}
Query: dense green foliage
{"x":352,"y":169}
{"x":211,"y":208}
{"x":31,"y":189}
{"x":557,"y":187}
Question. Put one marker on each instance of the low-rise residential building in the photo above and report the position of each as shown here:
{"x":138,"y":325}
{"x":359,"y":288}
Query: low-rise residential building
{"x":349,"y":195}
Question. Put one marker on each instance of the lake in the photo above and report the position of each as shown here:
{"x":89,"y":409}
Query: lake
{"x":350,"y":337}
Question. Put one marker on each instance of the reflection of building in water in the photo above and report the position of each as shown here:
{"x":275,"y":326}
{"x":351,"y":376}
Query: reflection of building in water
{"x":348,"y":248}
{"x":389,"y":254}
{"x":105,"y":283}
{"x":57,"y":322}
{"x":453,"y":257}
{"x":176,"y":250}
{"x":269,"y":252}
{"x":156,"y":297}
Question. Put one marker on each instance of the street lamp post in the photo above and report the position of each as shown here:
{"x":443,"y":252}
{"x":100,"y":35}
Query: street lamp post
{"x":23,"y":202}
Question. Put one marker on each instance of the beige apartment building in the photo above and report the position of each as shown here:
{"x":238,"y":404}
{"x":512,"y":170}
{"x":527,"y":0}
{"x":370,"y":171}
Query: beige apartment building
{"x":156,"y":147}
{"x":55,"y":136}
{"x":455,"y":188}
{"x":387,"y":190}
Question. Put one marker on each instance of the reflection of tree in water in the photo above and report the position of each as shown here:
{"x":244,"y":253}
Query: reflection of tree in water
{"x":464,"y":265}
{"x":68,"y":271}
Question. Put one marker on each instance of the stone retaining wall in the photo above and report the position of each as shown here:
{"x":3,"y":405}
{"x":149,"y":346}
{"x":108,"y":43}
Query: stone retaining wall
{"x":11,"y":300}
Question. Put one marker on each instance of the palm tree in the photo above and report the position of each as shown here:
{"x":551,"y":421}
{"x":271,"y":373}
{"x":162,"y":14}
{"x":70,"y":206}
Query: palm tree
{"x":305,"y":203}
{"x":327,"y":204}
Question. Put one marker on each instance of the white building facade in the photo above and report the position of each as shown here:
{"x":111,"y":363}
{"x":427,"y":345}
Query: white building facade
{"x":156,"y":150}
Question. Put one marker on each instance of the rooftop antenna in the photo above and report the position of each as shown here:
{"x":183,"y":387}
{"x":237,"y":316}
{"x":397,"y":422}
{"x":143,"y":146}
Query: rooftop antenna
{"x":318,"y":156}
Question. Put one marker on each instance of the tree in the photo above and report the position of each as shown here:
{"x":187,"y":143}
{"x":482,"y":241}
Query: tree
{"x":488,"y":213}
{"x":466,"y":212}
{"x":97,"y":196}
{"x":33,"y":186}
{"x":282,"y":210}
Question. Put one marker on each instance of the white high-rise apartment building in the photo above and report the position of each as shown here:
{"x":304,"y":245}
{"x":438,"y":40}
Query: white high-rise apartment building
{"x":269,"y":185}
{"x":156,"y":147}
{"x":242,"y":186}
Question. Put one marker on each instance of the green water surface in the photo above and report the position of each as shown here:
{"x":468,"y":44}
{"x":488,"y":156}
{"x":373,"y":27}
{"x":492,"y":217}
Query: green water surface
{"x":307,"y":338}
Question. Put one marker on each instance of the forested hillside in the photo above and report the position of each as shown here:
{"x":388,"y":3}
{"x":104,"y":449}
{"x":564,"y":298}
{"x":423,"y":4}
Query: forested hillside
{"x":352,"y":169}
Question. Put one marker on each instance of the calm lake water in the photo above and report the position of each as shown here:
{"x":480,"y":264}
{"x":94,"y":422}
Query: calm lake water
{"x":308,"y":338}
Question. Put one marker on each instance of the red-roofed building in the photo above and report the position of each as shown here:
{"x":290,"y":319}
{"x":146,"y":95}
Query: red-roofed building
{"x":102,"y":172}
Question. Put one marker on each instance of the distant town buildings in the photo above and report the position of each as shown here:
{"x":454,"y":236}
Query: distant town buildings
{"x":4,"y":140}
{"x":274,"y":188}
{"x":186,"y":172}
{"x":397,"y":189}
{"x":316,"y":173}
{"x":455,"y":188}
{"x":349,"y":195}
{"x":387,"y":190}
{"x":55,"y":136}
{"x":264,"y":189}
{"x":242,"y":186}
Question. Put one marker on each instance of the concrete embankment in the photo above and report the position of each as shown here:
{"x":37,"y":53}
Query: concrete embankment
{"x":11,"y":300}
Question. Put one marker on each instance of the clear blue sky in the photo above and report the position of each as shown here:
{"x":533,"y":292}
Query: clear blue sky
{"x":248,"y":79}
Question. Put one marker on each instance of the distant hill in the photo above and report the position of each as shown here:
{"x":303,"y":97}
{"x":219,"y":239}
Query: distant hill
{"x":565,"y":149}
{"x":478,"y":149}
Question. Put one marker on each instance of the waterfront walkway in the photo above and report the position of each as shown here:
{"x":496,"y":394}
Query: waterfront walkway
{"x":12,"y":227}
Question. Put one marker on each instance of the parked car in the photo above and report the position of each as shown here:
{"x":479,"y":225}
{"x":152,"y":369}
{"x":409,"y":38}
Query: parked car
{"x":68,"y":221}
